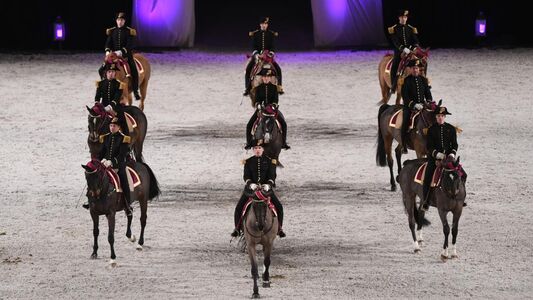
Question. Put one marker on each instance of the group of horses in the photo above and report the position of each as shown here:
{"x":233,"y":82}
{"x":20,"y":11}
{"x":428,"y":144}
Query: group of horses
{"x":449,"y":196}
{"x":102,"y":193}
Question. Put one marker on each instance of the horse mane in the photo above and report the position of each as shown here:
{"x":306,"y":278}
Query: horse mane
{"x":413,"y":161}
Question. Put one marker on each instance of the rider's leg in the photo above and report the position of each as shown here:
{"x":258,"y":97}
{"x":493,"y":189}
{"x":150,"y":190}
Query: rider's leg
{"x":134,"y":77}
{"x":428,"y":177}
{"x":247,"y":81}
{"x":237,"y":214}
{"x":279,"y":209}
{"x":394,"y":71}
{"x":249,"y":126}
{"x":278,"y":73}
{"x":125,"y":187}
{"x":405,"y":128}
{"x":281,"y":119}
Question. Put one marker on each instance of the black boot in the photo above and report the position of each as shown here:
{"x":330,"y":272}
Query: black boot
{"x":405,"y":129}
{"x":85,"y":205}
{"x":249,"y":136}
{"x":284,"y":131}
{"x":136,"y":94}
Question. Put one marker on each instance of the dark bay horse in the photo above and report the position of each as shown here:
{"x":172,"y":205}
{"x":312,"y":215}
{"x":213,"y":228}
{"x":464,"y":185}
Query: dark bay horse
{"x":387,"y":134}
{"x":260,"y":227}
{"x":385,"y":76}
{"x":104,"y":200}
{"x":264,"y":58}
{"x":99,"y":121}
{"x":449,"y":196}
{"x":269,"y":131}
{"x":144,"y":76}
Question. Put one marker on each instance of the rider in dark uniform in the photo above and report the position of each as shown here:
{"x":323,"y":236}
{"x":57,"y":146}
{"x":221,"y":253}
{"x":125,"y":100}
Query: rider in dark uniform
{"x":262,"y":39}
{"x":441,"y":142}
{"x":266,"y":93}
{"x":109,"y":92}
{"x":258,"y":170}
{"x":404,"y":38}
{"x":415,"y":93}
{"x":121,"y":40}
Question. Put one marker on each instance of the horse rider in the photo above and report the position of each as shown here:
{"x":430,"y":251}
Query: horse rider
{"x":259,"y":170}
{"x":266,"y":93}
{"x":441,"y":144}
{"x":114,"y":154}
{"x":262,"y":39}
{"x":109,"y":93}
{"x":415,"y":93}
{"x":404,"y":37}
{"x":120,"y":40}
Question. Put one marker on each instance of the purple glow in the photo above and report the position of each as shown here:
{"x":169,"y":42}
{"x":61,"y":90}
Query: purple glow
{"x":337,"y":9}
{"x":481,"y":27}
{"x":59,"y":31}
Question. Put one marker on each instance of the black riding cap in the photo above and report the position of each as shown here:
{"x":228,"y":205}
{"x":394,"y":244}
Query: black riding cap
{"x":258,"y":142}
{"x":115,"y":121}
{"x":121,"y":15}
{"x":441,"y":110}
{"x":414,"y":62}
{"x":110,"y":67}
{"x":403,"y":12}
{"x":264,"y":20}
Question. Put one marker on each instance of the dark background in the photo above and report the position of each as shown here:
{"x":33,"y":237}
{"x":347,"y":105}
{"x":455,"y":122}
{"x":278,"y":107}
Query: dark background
{"x":27,"y":27}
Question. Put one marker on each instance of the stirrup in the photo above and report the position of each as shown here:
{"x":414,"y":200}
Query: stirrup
{"x":137,"y":96}
{"x":286,"y":147}
{"x":247,"y":147}
{"x":235,"y":233}
{"x":85,"y":205}
{"x":246,"y":93}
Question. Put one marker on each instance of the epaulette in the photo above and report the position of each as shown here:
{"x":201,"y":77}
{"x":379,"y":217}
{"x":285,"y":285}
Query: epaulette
{"x":133,"y":32}
{"x":391,"y":29}
{"x":108,"y":30}
{"x":102,"y":137}
{"x":126,"y":138}
{"x":98,"y":83}
{"x":274,"y":162}
{"x":457,"y":129}
{"x":243,"y":161}
{"x":274,"y":33}
{"x":251,"y":33}
{"x":122,"y":85}
{"x":415,"y":31}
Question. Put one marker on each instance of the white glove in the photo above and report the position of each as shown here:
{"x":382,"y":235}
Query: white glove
{"x":107,"y":163}
{"x":259,"y":106}
{"x":452,"y":156}
{"x":108,"y":108}
{"x":107,"y":53}
{"x":266,"y":187}
{"x":440,"y":155}
{"x":253,"y":186}
{"x":406,"y":50}
{"x":418,"y":106}
{"x":119,"y":53}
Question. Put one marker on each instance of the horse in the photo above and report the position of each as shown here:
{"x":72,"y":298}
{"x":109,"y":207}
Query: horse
{"x":144,"y":75}
{"x":263,"y":58}
{"x":260,"y":227}
{"x":104,"y":200}
{"x":387,"y":134}
{"x":99,"y":119}
{"x":449,"y":196}
{"x":269,"y":130}
{"x":385,"y":76}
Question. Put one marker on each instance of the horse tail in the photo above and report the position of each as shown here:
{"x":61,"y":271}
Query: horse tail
{"x":381,"y":156}
{"x":154,"y":185}
{"x":279,"y":165}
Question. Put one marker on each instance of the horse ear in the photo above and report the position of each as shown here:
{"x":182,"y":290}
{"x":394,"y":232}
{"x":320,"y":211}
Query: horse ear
{"x":440,"y":102}
{"x":89,"y":109}
{"x":87,"y":169}
{"x":458,"y":159}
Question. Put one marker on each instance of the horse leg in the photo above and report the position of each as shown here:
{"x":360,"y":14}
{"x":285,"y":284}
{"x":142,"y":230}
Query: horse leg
{"x":252,"y":254}
{"x":446,"y":231}
{"x":144,"y":207}
{"x":128,"y":229}
{"x":398,"y":152}
{"x":410,"y":207}
{"x":390,"y":162}
{"x":267,"y":250}
{"x":144,"y":89}
{"x":111,"y":237}
{"x":96,"y":231}
{"x":455,"y":230}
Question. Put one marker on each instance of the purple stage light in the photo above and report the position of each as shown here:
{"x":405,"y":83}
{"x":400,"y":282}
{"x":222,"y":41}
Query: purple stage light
{"x":481,"y":25}
{"x":59,"y":30}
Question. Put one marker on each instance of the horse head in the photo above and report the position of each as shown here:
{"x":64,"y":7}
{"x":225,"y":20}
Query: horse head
{"x":260,"y":205}
{"x":452,"y":175}
{"x":266,"y":56}
{"x":97,"y":181}
{"x":97,"y":120}
{"x":112,"y":57}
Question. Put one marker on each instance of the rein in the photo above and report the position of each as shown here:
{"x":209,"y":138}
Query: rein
{"x":263,"y":232}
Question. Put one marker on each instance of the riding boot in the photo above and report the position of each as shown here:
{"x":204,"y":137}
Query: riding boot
{"x":280,"y":78}
{"x":247,"y":81}
{"x":249,"y":136}
{"x":101,"y":71}
{"x":279,"y":209}
{"x":122,"y":120}
{"x":405,"y":129}
{"x":85,"y":205}
{"x":428,"y":177}
{"x":134,"y":78}
{"x":283,"y":131}
{"x":394,"y":72}
{"x":237,"y":215}
{"x":125,"y":188}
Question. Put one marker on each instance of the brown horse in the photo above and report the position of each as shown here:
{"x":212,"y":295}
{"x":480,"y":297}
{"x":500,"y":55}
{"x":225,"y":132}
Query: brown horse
{"x":385,"y":76}
{"x":260,"y":227}
{"x":387,"y":134}
{"x":104,"y":200}
{"x":264,"y":58}
{"x":449,"y":196}
{"x":144,"y":76}
{"x":269,"y":131}
{"x":99,"y":119}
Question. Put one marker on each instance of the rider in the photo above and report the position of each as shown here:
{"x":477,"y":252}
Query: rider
{"x":404,"y":38}
{"x":109,"y":92}
{"x":263,"y":39}
{"x":415,"y":93}
{"x":441,"y":143}
{"x":259,"y":170}
{"x":266,"y":93}
{"x":120,"y":40}
{"x":113,"y":155}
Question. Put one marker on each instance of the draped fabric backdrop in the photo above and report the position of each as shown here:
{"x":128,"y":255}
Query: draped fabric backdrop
{"x":348,"y":23}
{"x":164,"y":23}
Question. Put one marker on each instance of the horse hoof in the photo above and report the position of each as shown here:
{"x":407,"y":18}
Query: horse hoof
{"x":417,"y":251}
{"x":139,"y":247}
{"x":132,"y":238}
{"x":112,"y":263}
{"x":393,"y":188}
{"x":255,"y":296}
{"x":94,"y":256}
{"x":266,"y":284}
{"x":454,"y":256}
{"x":443,"y":258}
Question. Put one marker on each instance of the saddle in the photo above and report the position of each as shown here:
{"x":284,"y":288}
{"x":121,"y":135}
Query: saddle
{"x":397,"y":119}
{"x":134,"y":180}
{"x":420,"y":175}
{"x":258,"y":196}
{"x":262,"y":128}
